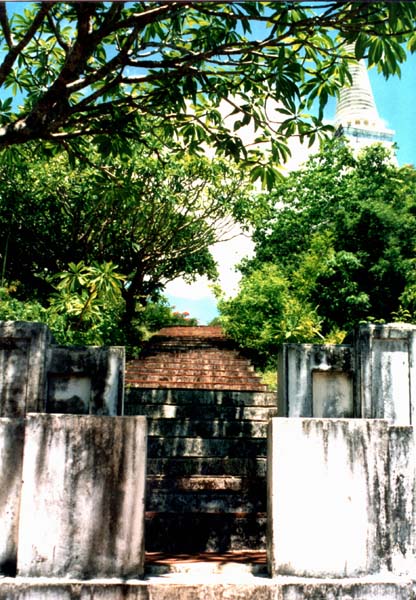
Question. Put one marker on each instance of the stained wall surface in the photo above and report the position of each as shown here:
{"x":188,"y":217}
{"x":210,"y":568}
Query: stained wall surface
{"x":11,"y":458}
{"x":373,"y":377}
{"x":82,"y":501}
{"x":23,"y":349}
{"x":37,"y":375}
{"x":338,"y":504}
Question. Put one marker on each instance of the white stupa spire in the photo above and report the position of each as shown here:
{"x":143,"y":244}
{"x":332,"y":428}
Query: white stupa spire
{"x":356,"y":115}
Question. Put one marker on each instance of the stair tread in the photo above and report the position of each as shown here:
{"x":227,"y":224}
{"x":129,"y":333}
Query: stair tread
{"x":200,"y":386}
{"x":214,"y":428}
{"x":194,"y":483}
{"x":208,"y":466}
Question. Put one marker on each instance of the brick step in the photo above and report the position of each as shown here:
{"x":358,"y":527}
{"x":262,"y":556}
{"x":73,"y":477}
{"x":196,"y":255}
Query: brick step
{"x":179,"y":347}
{"x":191,"y":371}
{"x":208,"y":428}
{"x":200,"y":397}
{"x":200,"y":359}
{"x":236,"y":387}
{"x":203,"y":377}
{"x":152,"y":352}
{"x":156,"y":349}
{"x":172,"y":411}
{"x":189,"y":533}
{"x":200,"y":447}
{"x":191,"y":374}
{"x":214,"y":502}
{"x":161,"y":340}
{"x":190,"y":467}
{"x":209,"y":331}
{"x":198,"y":483}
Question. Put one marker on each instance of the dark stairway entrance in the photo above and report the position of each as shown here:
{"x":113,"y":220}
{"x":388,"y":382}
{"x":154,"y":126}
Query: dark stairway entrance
{"x":207,"y":415}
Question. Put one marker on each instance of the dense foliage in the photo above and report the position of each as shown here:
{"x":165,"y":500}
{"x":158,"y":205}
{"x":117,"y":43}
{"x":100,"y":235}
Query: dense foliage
{"x":152,"y":219}
{"x":111,"y":72}
{"x":334,"y":245}
{"x":80,"y":313}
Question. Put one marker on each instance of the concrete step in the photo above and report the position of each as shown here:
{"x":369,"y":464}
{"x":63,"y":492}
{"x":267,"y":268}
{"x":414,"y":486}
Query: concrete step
{"x":202,"y":585}
{"x":193,"y":532}
{"x":200,"y":447}
{"x":188,"y":467}
{"x":198,"y":483}
{"x":208,"y":428}
{"x":200,"y":397}
{"x":170,"y":411}
{"x":206,"y":564}
{"x":213,"y":502}
{"x":167,"y":380}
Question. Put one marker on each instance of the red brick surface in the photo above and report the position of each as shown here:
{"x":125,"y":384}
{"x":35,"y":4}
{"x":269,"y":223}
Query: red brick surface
{"x":192,"y":358}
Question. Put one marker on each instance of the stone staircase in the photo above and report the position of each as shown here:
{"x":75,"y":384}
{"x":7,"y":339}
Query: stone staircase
{"x":207,"y":416}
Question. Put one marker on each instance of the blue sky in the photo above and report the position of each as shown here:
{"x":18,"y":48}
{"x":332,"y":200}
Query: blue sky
{"x":396,"y":102}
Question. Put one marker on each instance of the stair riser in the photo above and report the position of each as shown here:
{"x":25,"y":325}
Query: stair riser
{"x":179,"y":349}
{"x":190,"y":358}
{"x":203,"y":484}
{"x":196,"y":386}
{"x":208,"y":371}
{"x":190,"y":366}
{"x":183,"y":467}
{"x":171,"y":447}
{"x":169,"y":379}
{"x":204,"y":502}
{"x":194,"y":533}
{"x":207,"y":429}
{"x":198,"y":397}
{"x":255,"y":413}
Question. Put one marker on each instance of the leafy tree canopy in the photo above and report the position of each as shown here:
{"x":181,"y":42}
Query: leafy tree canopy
{"x":87,"y":307}
{"x":116,"y":71}
{"x":341,"y":234}
{"x":266,"y":312}
{"x":154,"y":220}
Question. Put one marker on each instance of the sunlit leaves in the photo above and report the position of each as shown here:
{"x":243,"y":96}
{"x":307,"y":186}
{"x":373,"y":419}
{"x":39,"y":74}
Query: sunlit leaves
{"x":86,"y":70}
{"x":265,"y":313}
{"x":154,"y":217}
{"x":342,"y":230}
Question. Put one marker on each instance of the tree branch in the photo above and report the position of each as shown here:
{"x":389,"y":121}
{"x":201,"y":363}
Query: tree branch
{"x":15,"y":50}
{"x":4,"y":21}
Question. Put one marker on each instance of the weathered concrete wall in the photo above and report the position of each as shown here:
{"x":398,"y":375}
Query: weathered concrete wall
{"x":401,"y":496}
{"x":374,"y":377}
{"x":11,"y":458}
{"x":22,"y":367}
{"x":386,"y":356}
{"x":82,"y":504}
{"x":316,"y":380}
{"x":256,"y":589}
{"x":340,"y":497}
{"x":38,"y":376}
{"x":85,"y":380}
